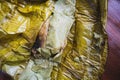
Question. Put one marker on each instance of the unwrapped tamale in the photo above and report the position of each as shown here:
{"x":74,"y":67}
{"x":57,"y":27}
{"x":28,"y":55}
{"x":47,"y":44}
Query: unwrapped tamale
{"x":53,"y":39}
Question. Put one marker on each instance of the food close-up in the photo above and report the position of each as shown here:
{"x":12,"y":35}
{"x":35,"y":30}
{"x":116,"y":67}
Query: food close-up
{"x":53,"y":39}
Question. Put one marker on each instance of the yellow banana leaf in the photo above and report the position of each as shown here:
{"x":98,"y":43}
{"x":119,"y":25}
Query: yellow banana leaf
{"x":85,"y":54}
{"x":18,"y":30}
{"x":71,"y":39}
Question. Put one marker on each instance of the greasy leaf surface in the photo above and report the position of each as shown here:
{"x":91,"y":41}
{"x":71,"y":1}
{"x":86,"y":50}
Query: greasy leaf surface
{"x":84,"y":56}
{"x":18,"y":29}
{"x":86,"y":51}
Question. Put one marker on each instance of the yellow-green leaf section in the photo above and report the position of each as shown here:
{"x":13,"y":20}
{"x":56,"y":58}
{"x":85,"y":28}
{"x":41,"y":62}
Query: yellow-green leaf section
{"x":18,"y":28}
{"x":85,"y":54}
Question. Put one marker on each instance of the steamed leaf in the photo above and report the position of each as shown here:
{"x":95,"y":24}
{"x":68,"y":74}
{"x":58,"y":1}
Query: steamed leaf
{"x":66,"y":37}
{"x":18,"y":31}
{"x":86,"y":51}
{"x":54,"y":43}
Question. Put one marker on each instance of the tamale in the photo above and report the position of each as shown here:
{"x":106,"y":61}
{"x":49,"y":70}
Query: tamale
{"x":66,"y":38}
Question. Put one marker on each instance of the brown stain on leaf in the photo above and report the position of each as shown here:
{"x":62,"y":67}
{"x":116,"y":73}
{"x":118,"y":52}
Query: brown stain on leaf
{"x":43,"y":33}
{"x":41,"y":38}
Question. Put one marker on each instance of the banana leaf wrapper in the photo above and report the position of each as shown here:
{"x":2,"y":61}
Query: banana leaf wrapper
{"x":52,"y":39}
{"x":20,"y":23}
{"x":83,"y":55}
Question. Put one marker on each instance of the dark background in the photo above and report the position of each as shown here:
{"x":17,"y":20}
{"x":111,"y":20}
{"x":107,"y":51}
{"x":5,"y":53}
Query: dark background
{"x":112,"y":68}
